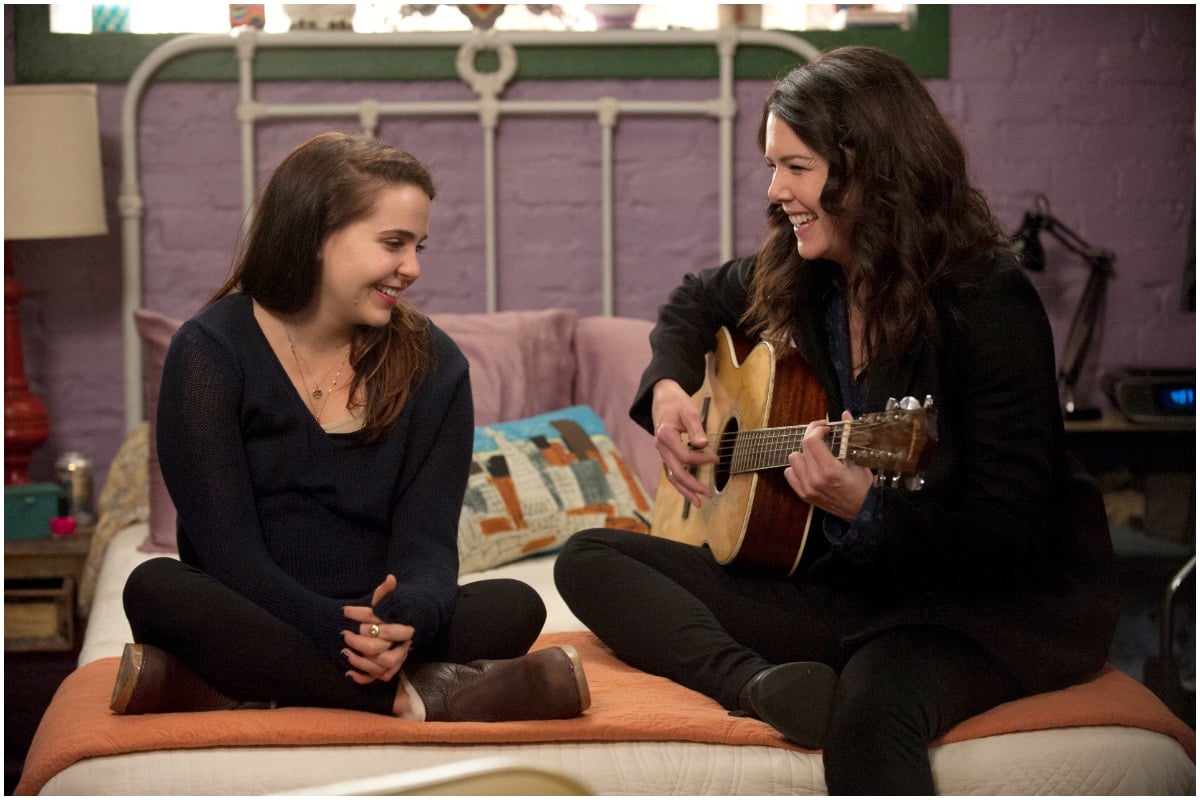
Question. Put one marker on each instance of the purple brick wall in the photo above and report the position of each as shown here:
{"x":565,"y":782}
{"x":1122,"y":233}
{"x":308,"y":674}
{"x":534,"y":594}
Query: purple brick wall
{"x":1092,"y":105}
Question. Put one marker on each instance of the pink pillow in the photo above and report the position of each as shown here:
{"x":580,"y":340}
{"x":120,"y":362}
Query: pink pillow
{"x":156,"y":331}
{"x":611,"y":353}
{"x":521,"y":361}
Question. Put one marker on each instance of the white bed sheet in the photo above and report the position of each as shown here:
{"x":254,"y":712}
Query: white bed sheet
{"x":1091,"y":760}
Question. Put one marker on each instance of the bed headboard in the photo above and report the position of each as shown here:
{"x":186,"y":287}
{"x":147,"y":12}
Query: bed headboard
{"x":487,"y":108}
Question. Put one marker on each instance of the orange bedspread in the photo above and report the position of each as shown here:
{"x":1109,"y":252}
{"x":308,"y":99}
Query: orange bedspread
{"x":627,"y":705}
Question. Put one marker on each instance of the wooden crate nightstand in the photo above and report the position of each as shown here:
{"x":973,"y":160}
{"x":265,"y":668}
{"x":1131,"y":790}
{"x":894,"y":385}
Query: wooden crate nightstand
{"x":40,"y":580}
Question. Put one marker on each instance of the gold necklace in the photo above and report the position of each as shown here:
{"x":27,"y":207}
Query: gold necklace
{"x":316,"y":393}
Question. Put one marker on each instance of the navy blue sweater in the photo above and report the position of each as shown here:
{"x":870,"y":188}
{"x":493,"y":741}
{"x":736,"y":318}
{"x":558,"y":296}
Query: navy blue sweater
{"x":299,"y":521}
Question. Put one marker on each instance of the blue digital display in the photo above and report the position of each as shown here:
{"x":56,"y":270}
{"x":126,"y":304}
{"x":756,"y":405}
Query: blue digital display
{"x":1179,"y":398}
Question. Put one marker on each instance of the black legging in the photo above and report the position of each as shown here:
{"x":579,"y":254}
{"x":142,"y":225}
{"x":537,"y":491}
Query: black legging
{"x":249,"y":654}
{"x":670,"y":609}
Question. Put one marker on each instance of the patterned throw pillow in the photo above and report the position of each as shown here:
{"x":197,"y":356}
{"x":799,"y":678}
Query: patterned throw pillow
{"x":536,"y":481}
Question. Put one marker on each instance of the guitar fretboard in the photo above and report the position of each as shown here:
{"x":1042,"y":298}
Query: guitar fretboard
{"x":769,"y":448}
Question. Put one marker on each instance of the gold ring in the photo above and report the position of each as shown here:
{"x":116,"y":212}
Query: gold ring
{"x":373,"y":631}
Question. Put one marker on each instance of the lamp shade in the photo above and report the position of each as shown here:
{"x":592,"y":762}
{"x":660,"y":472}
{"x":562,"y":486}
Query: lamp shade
{"x":52,"y":173}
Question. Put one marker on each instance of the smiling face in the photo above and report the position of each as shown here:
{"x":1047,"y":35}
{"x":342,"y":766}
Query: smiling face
{"x":366,"y":265}
{"x":797,"y":177}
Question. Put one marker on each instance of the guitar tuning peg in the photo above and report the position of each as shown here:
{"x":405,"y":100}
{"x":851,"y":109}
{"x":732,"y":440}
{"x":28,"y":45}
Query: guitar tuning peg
{"x":910,"y":403}
{"x":914,"y":483}
{"x":928,"y":401}
{"x":891,"y":405}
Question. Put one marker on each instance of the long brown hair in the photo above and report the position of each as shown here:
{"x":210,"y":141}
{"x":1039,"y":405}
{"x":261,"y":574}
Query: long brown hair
{"x":325,"y":184}
{"x":898,"y":185}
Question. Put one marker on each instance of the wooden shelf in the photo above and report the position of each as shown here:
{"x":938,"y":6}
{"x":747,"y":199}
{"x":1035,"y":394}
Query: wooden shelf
{"x":40,"y":578}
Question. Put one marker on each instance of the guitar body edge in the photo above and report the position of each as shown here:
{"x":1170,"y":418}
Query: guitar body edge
{"x":754,"y":520}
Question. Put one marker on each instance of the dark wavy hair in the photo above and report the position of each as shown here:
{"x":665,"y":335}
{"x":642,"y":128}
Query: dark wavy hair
{"x":325,"y":184}
{"x":898,"y":185}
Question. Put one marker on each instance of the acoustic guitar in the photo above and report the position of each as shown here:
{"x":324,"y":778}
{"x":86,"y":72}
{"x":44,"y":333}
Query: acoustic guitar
{"x":754,"y":519}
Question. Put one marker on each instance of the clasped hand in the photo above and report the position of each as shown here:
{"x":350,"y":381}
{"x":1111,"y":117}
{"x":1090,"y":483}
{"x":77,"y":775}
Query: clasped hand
{"x":813,"y":472}
{"x":375,"y":657}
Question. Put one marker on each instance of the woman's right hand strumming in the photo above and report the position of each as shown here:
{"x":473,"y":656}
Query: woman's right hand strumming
{"x":676,"y":417}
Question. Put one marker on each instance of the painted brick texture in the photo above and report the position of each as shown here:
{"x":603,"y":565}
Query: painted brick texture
{"x":1092,"y":105}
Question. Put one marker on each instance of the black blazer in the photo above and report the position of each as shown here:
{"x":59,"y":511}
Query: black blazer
{"x":1007,"y":542}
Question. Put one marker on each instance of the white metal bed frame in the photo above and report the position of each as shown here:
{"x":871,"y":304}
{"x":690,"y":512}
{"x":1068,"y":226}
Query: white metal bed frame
{"x":488,"y":106}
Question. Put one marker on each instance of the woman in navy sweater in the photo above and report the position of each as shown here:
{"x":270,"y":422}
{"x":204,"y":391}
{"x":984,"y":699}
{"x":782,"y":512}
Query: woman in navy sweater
{"x":315,"y":433}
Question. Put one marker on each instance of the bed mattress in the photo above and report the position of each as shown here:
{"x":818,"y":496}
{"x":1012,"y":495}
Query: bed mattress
{"x":1100,"y":759}
{"x":1125,"y":762}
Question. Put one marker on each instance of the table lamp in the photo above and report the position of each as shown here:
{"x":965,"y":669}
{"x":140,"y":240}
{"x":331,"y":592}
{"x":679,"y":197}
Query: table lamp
{"x":52,"y":189}
{"x":1091,"y":304}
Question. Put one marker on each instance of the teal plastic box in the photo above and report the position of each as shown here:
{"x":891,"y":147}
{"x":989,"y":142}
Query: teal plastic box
{"x":28,"y":509}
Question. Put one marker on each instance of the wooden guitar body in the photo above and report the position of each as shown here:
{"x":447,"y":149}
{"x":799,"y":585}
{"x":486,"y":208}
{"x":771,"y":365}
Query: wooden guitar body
{"x":754,"y":518}
{"x":756,"y":408}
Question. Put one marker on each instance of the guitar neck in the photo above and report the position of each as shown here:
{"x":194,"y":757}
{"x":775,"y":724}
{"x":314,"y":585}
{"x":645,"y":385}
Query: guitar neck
{"x":769,"y":448}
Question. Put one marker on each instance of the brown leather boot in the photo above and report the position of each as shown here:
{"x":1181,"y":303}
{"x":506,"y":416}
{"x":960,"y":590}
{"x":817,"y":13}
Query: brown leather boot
{"x":546,"y":684}
{"x":152,"y":681}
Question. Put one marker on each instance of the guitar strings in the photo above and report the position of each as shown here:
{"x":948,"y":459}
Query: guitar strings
{"x":751,"y":450}
{"x":790,"y":438}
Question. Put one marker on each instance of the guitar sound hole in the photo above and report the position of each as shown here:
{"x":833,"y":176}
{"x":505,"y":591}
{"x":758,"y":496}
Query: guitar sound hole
{"x":722,"y":469}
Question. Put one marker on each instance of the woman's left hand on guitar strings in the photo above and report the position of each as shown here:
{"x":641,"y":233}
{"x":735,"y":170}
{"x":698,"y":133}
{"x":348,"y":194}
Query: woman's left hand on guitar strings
{"x":822,"y":479}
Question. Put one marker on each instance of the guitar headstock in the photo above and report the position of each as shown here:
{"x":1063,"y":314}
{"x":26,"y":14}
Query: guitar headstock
{"x":894,"y":441}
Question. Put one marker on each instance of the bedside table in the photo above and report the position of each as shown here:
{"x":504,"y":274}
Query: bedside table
{"x":40,"y":577}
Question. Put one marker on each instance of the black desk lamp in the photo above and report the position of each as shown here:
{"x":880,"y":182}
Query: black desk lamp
{"x":1091,"y":304}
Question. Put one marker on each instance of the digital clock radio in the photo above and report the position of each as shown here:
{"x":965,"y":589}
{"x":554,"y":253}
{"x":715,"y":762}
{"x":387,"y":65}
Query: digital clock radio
{"x":1154,"y":396}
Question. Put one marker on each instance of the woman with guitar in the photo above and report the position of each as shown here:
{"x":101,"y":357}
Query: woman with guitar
{"x":872,"y":611}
